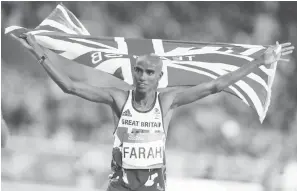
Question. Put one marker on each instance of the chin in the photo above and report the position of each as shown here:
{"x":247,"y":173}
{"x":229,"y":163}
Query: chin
{"x":142,"y":90}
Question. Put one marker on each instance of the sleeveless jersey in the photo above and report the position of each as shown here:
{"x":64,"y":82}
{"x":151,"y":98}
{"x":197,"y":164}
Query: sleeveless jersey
{"x":138,"y":156}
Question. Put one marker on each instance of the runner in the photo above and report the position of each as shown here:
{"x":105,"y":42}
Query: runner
{"x":142,"y":115}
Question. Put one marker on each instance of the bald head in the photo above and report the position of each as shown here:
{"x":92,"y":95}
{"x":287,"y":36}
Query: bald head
{"x":152,"y":60}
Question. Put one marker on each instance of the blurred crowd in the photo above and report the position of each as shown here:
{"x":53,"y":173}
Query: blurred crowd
{"x":225,"y":139}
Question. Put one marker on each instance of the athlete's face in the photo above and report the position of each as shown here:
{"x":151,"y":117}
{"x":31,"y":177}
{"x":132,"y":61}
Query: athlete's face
{"x":147,"y":74}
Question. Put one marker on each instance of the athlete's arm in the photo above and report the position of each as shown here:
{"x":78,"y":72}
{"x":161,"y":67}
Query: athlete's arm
{"x":195,"y":93}
{"x":83,"y":90}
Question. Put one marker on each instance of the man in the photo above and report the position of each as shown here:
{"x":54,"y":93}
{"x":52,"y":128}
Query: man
{"x":142,"y":115}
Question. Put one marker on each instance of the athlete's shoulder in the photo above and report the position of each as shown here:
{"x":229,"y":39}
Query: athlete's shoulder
{"x":119,"y":96}
{"x":118,"y":93}
{"x":168,"y":93}
{"x":167,"y":96}
{"x":172,"y":91}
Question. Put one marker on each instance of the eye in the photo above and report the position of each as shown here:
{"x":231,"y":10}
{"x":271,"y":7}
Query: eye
{"x":150,"y":73}
{"x":136,"y":70}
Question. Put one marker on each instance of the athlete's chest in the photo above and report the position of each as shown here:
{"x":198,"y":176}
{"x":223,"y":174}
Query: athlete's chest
{"x":132,"y":117}
{"x":151,"y":120}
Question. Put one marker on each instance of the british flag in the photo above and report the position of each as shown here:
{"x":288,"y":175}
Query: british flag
{"x":185,"y":63}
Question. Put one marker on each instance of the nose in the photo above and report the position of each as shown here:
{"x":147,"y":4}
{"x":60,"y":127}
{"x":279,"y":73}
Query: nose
{"x":142,"y":76}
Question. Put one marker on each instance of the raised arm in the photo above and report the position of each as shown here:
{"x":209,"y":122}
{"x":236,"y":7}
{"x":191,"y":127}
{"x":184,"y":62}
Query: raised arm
{"x":189,"y":95}
{"x":83,"y":90}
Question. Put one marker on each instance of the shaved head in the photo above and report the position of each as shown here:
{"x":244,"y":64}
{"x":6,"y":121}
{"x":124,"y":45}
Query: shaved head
{"x":150,"y":59}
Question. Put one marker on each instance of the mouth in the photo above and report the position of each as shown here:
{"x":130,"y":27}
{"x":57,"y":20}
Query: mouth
{"x":141,"y":84}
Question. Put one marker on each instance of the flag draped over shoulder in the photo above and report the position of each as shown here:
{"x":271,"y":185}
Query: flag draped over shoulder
{"x":103,"y":61}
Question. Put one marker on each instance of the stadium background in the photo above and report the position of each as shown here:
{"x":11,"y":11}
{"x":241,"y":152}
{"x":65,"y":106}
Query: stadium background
{"x":60,"y":142}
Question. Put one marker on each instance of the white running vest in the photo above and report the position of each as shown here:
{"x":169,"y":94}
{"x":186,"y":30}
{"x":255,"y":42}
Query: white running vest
{"x":140,"y":136}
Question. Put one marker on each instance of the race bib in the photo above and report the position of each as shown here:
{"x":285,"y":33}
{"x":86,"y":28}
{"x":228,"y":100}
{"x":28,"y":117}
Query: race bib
{"x":143,"y":150}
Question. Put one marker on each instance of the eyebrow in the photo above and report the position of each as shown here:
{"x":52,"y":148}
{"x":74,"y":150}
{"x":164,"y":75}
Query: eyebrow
{"x":136,"y":67}
{"x":150,"y":70}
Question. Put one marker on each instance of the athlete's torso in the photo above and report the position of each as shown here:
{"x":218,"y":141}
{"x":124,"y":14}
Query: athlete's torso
{"x":136,"y":166}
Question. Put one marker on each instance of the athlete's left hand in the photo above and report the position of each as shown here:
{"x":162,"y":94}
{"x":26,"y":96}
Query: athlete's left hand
{"x":274,"y":53}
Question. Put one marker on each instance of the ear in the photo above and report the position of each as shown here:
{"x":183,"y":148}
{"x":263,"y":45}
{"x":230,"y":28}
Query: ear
{"x":161,"y":74}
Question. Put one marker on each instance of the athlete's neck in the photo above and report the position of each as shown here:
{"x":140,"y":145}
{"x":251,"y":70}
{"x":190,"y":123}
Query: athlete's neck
{"x":144,"y":98}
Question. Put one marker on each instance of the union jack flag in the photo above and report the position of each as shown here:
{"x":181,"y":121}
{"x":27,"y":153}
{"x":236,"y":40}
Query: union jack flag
{"x":185,"y":63}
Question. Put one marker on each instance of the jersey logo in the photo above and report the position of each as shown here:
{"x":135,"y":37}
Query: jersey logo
{"x":127,"y":113}
{"x":157,"y":113}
